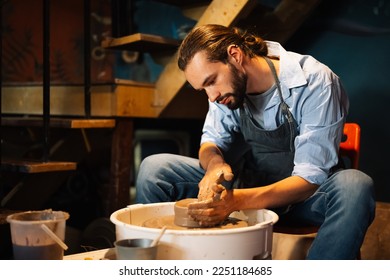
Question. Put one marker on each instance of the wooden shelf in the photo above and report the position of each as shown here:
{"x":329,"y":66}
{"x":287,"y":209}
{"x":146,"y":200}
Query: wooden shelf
{"x":122,"y":98}
{"x":32,"y":166}
{"x":58,"y":122}
{"x":141,"y":42}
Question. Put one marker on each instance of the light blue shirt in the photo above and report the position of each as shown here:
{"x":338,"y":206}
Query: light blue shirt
{"x":316,"y":99}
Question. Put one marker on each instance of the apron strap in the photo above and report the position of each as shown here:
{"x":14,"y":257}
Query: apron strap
{"x":284,"y":106}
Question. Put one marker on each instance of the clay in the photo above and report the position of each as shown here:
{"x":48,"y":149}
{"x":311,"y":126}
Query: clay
{"x":181,"y":214}
{"x":182,"y":221}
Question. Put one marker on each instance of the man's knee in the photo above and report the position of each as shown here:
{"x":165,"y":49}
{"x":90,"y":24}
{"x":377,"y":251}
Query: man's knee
{"x":355,"y":181}
{"x":358,"y":188}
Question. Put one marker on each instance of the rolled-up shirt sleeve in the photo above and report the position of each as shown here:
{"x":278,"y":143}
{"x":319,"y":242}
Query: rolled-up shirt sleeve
{"x":320,"y":131}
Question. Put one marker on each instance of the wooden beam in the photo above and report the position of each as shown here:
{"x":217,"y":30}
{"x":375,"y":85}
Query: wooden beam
{"x":171,"y":80}
{"x":117,"y":193}
{"x":184,"y":3}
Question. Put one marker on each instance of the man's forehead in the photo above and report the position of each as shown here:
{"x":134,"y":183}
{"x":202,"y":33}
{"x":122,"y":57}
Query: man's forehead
{"x":199,"y":58}
{"x":196,"y":69}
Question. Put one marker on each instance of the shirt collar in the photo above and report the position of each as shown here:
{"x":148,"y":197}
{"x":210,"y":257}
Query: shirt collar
{"x":291,"y":74}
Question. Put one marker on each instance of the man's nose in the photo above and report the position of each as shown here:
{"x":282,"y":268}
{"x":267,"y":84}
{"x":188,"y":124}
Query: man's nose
{"x":212,"y":95}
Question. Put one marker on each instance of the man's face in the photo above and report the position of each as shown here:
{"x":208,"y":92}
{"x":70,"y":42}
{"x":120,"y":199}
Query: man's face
{"x":223,"y":83}
{"x":237,"y":95}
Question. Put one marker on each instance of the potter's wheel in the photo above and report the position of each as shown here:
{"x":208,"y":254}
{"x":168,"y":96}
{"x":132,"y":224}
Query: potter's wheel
{"x":168,"y":221}
{"x":250,"y":241}
{"x":182,"y":221}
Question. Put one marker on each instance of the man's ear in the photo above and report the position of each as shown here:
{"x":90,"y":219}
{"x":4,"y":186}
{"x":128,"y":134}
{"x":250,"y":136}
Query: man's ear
{"x":235,"y":54}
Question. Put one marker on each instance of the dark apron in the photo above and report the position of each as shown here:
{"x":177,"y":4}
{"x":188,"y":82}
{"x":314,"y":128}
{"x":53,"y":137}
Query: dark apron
{"x":271,"y":154}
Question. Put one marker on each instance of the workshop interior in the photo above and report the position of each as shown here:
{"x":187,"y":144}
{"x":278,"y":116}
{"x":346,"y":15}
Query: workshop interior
{"x":90,"y":88}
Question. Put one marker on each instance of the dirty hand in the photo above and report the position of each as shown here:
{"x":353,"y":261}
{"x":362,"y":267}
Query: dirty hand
{"x":210,"y":187}
{"x":212,"y":212}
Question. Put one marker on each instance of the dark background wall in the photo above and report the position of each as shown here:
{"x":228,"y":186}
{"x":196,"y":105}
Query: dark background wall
{"x":353,"y":39}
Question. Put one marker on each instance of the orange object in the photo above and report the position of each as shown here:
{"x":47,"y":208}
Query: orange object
{"x":350,"y":144}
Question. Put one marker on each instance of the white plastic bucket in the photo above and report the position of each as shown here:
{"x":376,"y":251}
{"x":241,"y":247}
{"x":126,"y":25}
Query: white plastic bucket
{"x":29,"y":239}
{"x":252,"y":242}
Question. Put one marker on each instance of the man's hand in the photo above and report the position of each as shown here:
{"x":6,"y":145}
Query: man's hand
{"x":214,"y":211}
{"x":210,"y":187}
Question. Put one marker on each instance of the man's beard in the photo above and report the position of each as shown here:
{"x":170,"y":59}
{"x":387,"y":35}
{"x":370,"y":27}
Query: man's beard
{"x":237,"y":95}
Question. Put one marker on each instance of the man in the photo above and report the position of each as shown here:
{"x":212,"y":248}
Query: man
{"x":270,"y":140}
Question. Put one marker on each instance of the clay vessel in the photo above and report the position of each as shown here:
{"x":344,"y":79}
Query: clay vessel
{"x":181,"y":213}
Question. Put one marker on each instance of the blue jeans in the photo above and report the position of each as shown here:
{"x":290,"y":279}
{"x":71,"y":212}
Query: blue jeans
{"x":344,"y":205}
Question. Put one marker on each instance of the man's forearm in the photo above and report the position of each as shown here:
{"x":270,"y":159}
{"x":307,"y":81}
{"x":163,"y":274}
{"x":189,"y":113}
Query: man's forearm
{"x":291,"y":190}
{"x":210,"y":154}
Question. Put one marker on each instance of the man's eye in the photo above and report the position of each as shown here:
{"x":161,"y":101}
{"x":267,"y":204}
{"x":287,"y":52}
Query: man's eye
{"x":210,"y":83}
